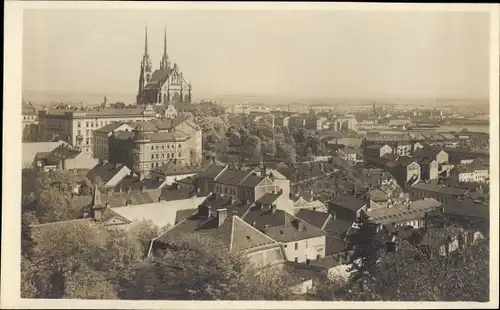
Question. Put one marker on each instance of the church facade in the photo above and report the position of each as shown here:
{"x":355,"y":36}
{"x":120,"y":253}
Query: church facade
{"x":163,"y":86}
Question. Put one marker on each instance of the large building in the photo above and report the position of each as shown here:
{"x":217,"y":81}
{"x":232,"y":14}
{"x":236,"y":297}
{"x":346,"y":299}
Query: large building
{"x":154,"y":143}
{"x":77,"y":127}
{"x":30,"y":123}
{"x":164,"y":85}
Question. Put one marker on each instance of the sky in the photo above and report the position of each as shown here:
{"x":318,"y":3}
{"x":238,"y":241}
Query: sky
{"x":345,"y":54}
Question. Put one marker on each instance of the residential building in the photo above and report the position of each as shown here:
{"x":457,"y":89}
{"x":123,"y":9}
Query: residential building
{"x":445,"y":240}
{"x":282,"y":121}
{"x":432,"y":153}
{"x":225,"y":231}
{"x":297,"y":121}
{"x":31,"y":149}
{"x":300,"y":241}
{"x":406,"y":171}
{"x":170,"y":173}
{"x":469,"y":173}
{"x":348,"y":208}
{"x":109,"y":174}
{"x":77,"y":127}
{"x":155,"y":143}
{"x":101,"y":138}
{"x":165,"y":85}
{"x":440,"y":192}
{"x":30,"y":122}
{"x":430,"y":169}
{"x":348,"y":154}
{"x":467,"y":214}
{"x":405,"y":214}
{"x":64,"y":157}
{"x":456,"y":155}
{"x":315,"y":123}
{"x":376,"y":151}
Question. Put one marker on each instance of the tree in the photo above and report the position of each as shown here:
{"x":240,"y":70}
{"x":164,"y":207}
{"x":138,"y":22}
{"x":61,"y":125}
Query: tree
{"x":200,"y":269}
{"x":85,"y":283}
{"x":461,"y":276}
{"x":366,"y":247}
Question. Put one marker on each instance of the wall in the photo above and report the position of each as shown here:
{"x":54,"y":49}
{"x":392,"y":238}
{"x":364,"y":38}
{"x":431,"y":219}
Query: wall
{"x":307,"y":249}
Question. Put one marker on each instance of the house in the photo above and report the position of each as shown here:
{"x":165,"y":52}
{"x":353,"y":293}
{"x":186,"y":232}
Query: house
{"x":405,"y":170}
{"x":171,"y":172}
{"x":64,"y":157}
{"x":226,"y":231}
{"x":429,"y":169}
{"x":31,"y":149}
{"x":335,"y":229}
{"x":109,"y":174}
{"x":205,"y":179}
{"x":101,"y":138}
{"x":314,"y":205}
{"x":377,"y":199}
{"x":458,"y":154}
{"x":432,"y":153}
{"x":445,"y":240}
{"x":469,"y":173}
{"x":467,"y":214}
{"x":440,"y":192}
{"x":300,"y":241}
{"x":349,"y":208}
{"x":406,"y":214}
{"x":348,"y":154}
{"x":376,"y":151}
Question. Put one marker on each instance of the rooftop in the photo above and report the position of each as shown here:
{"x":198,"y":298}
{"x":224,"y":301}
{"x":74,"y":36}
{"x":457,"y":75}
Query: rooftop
{"x":349,"y":202}
{"x":316,"y":218}
{"x":105,"y":171}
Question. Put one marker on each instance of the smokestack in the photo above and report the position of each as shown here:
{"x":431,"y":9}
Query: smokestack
{"x":221,"y":216}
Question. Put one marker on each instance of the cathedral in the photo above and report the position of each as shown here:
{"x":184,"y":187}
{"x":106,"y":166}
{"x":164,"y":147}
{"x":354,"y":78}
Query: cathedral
{"x":164,"y":86}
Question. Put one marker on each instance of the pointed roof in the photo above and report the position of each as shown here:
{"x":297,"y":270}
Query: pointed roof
{"x":146,"y":39}
{"x":96,"y":199}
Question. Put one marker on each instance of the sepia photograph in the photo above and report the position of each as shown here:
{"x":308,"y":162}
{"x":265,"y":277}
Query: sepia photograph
{"x":269,"y":152}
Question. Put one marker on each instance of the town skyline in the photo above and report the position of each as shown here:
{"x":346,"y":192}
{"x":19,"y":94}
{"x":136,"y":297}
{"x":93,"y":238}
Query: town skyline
{"x":459,"y":71}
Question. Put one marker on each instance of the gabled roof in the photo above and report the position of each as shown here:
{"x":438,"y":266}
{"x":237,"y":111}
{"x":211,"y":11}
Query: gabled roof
{"x":290,"y":232}
{"x":136,"y":184}
{"x":349,"y":202}
{"x":233,"y":235}
{"x":316,"y":218}
{"x":211,"y":172}
{"x":30,"y":149}
{"x":268,"y":198}
{"x":233,"y":177}
{"x":252,"y":180}
{"x":105,"y":171}
{"x":260,"y":217}
{"x":111,"y":127}
{"x":467,"y":209}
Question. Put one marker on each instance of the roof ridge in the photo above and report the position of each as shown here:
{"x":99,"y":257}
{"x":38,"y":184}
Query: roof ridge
{"x":232,"y":235}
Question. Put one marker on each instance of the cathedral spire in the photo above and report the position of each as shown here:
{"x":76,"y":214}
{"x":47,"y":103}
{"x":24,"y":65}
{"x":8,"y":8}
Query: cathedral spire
{"x":164,"y":60}
{"x":146,"y":40}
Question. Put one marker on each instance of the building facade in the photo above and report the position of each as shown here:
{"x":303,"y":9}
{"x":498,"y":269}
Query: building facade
{"x":155,"y":143}
{"x":76,"y":127}
{"x":101,"y":139}
{"x":30,"y":123}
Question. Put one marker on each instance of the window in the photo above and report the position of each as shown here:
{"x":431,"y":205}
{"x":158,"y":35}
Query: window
{"x":180,"y":154}
{"x":152,"y":156}
{"x":156,"y":156}
{"x":296,"y":245}
{"x":225,"y":190}
{"x":162,"y":155}
{"x":86,"y":124}
{"x":87,"y":141}
{"x":179,"y":146}
{"x":296,"y":259}
{"x":79,"y":124}
{"x":91,"y":124}
{"x":284,"y":246}
{"x":152,"y":147}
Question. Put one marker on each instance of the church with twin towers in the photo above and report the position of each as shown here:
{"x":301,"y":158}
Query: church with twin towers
{"x":163,"y":86}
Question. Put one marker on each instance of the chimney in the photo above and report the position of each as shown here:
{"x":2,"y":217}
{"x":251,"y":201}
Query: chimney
{"x":204,"y":211}
{"x":254,"y":223}
{"x":221,"y":216}
{"x":273,"y":209}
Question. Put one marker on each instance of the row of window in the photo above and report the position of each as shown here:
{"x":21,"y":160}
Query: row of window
{"x":159,"y":164}
{"x":169,"y":155}
{"x":157,"y":147}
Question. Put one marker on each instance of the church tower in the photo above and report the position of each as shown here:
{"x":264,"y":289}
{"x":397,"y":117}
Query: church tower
{"x":165,"y":63}
{"x":146,"y":67}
